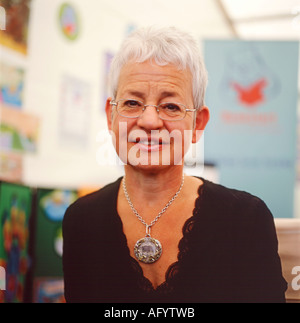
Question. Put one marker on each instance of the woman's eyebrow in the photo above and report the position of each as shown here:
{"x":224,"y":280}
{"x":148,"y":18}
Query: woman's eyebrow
{"x":141,"y":95}
{"x":166,"y":94}
{"x":136,"y":94}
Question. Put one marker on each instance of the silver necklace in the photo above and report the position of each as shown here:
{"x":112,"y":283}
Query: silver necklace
{"x":148,"y":250}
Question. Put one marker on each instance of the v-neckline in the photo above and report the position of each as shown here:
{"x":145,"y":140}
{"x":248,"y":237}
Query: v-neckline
{"x":137,"y":266}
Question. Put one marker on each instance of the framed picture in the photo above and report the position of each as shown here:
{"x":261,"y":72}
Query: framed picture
{"x":15,"y":211}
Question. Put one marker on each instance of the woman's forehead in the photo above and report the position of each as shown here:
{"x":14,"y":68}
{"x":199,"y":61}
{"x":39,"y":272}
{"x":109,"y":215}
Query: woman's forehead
{"x":142,"y":77}
{"x":148,"y":68}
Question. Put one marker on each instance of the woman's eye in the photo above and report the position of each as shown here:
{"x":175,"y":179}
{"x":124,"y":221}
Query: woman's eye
{"x":171,"y":107}
{"x":132,"y":104}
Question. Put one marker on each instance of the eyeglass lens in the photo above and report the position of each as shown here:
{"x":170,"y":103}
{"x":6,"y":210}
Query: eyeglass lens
{"x":134,"y":109}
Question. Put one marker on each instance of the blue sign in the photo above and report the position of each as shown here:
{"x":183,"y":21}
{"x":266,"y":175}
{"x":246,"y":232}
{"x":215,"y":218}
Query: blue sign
{"x":252,"y":95}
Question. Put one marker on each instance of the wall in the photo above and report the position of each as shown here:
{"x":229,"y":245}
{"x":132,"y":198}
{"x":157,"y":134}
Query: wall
{"x":51,"y":56}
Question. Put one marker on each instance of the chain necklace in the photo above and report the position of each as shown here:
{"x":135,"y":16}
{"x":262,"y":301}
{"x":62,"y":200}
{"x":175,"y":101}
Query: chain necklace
{"x":148,"y":250}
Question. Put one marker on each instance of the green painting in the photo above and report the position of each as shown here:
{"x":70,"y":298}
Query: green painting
{"x":51,"y":207}
{"x":15,"y":210}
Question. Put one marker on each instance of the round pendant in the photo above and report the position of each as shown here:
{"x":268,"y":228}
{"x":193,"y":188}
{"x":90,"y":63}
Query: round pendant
{"x":147,"y":250}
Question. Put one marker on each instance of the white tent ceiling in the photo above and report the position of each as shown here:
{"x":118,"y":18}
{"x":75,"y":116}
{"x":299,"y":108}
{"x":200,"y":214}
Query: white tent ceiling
{"x":272,"y":19}
{"x":207,"y":19}
{"x":245,"y":19}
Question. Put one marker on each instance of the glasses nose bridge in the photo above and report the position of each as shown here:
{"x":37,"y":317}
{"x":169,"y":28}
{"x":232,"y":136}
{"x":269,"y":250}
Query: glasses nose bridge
{"x":151,"y":105}
{"x":150,"y":115}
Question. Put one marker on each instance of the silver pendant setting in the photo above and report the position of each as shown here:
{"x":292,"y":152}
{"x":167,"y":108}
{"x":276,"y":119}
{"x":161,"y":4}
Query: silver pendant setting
{"x":148,"y":250}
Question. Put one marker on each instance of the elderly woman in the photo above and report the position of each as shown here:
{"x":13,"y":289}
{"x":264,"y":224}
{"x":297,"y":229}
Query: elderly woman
{"x":156,"y":235}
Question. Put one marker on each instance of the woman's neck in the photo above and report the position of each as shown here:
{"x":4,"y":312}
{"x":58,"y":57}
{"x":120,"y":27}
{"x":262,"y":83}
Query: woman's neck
{"x":152,"y":188}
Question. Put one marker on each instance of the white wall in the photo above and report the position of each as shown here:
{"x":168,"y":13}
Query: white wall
{"x":51,"y":57}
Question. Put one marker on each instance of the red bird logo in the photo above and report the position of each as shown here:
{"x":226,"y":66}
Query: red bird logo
{"x":250,"y":95}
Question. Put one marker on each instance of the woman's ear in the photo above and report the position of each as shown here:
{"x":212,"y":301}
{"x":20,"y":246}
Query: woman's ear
{"x":202,"y":117}
{"x":109,"y":113}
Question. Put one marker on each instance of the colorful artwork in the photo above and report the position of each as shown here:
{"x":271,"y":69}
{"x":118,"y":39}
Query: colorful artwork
{"x":15,"y":209}
{"x":18,"y":131}
{"x":49,"y":290}
{"x":51,"y":207}
{"x":11,"y":167}
{"x":247,"y":78}
{"x":69,"y":21}
{"x":15,"y":32}
{"x":11,"y":85}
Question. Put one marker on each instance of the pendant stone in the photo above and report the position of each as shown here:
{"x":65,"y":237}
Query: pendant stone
{"x":147,"y":250}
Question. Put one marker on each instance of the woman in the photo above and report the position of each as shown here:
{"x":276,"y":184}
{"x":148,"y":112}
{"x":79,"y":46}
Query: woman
{"x":156,"y":235}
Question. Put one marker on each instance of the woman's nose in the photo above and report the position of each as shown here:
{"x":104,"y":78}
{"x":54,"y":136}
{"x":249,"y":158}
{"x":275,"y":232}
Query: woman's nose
{"x":149,"y":118}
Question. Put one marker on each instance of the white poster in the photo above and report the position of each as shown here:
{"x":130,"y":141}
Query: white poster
{"x":74,"y":112}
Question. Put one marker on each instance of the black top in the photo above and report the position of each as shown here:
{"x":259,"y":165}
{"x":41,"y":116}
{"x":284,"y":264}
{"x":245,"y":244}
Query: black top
{"x":228,"y":253}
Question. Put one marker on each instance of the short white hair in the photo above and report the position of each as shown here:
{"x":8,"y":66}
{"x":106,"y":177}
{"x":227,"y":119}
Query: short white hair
{"x":165,"y":45}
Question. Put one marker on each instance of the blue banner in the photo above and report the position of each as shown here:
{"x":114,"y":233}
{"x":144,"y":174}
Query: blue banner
{"x":251,"y":137}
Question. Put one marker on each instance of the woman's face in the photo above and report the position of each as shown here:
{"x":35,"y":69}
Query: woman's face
{"x":147,"y":141}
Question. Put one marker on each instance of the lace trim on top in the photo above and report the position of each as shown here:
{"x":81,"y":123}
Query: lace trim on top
{"x":183,"y":246}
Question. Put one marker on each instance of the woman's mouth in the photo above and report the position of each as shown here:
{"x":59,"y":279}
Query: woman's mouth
{"x":149,"y":144}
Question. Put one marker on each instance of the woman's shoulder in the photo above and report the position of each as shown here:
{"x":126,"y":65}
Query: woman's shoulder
{"x":95,"y":202}
{"x":238,"y":212}
{"x":233,"y":202}
{"x":228,"y":194}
